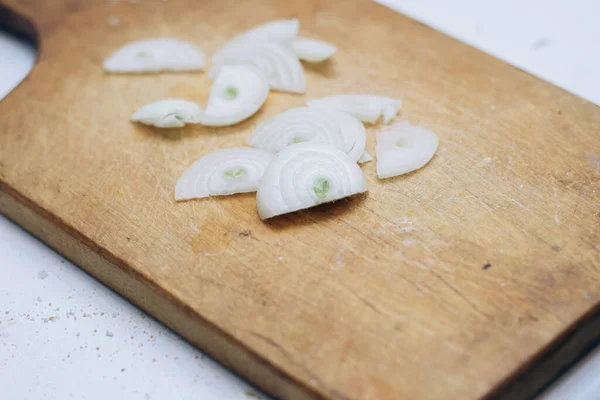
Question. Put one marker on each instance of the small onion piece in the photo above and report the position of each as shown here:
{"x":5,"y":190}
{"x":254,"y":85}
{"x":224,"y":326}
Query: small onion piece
{"x":282,"y":68}
{"x":223,"y":172}
{"x":238,"y":92}
{"x":404,"y":148}
{"x":155,"y":55}
{"x":365,"y":157}
{"x":280,"y":30}
{"x":168,"y":113}
{"x":365,"y":107}
{"x":305,"y":175}
{"x":311,"y":50}
{"x":305,"y":124}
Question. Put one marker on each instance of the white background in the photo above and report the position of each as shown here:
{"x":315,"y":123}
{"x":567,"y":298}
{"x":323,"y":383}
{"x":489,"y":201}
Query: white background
{"x":64,"y":335}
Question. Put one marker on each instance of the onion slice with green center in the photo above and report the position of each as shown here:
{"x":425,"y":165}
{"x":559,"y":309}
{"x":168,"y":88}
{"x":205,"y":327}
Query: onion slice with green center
{"x":280,"y":30}
{"x":155,"y":55}
{"x":168,"y":113}
{"x":403,"y":148}
{"x":280,"y":65}
{"x":311,"y":50}
{"x":305,"y":124}
{"x":365,"y":107}
{"x":305,"y":175}
{"x":237,"y":93}
{"x":223,"y":172}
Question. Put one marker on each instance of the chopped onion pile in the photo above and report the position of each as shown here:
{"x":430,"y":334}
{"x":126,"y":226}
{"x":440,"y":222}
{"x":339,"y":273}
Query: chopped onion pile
{"x":304,"y":124}
{"x":311,"y":50}
{"x":238,"y":92}
{"x":367,"y":108}
{"x":305,"y":175}
{"x":168,"y":113}
{"x":300,"y":158}
{"x":223,"y":172}
{"x":275,"y":49}
{"x":404,"y":148}
{"x":280,"y":65}
{"x":155,"y":55}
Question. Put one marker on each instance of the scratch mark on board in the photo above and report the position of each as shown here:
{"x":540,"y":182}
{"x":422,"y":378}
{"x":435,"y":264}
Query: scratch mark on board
{"x":517,"y":203}
{"x":338,"y":261}
{"x":484,"y":161}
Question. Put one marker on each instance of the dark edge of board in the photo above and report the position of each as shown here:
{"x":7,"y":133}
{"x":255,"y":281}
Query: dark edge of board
{"x":18,"y":25}
{"x":553,"y":361}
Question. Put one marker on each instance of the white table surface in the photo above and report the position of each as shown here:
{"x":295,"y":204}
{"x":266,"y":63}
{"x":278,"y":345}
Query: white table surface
{"x":64,"y":335}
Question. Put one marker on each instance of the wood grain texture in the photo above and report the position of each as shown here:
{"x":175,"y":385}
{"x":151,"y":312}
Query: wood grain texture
{"x":382,"y":296}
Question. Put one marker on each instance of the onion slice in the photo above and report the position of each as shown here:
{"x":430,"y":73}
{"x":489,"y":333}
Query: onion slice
{"x":223,"y":172}
{"x":279,"y":30}
{"x":305,"y":175}
{"x":168,"y":113}
{"x":311,"y":50}
{"x":238,"y":92}
{"x":365,"y":157}
{"x":155,"y":55}
{"x":280,"y":65}
{"x":404,"y":148}
{"x":365,"y":107}
{"x":305,"y":124}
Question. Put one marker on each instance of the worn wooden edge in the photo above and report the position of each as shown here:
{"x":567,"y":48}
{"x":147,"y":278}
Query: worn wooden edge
{"x":146,"y":294}
{"x":553,"y":361}
{"x":550,"y":363}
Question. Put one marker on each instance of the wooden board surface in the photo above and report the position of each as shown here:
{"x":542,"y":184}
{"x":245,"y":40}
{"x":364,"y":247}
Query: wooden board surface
{"x":382,"y":296}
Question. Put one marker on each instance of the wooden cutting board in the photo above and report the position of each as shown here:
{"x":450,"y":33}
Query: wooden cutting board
{"x":475,"y":276}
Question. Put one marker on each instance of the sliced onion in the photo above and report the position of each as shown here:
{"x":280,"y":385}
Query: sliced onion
{"x":168,"y":113}
{"x":305,"y":124}
{"x":280,"y":30}
{"x":223,"y":172}
{"x":238,"y":92}
{"x":367,"y":108}
{"x":404,"y":148}
{"x":280,"y":65}
{"x":312,"y":50}
{"x":155,"y":55}
{"x":305,"y":175}
{"x":365,"y":157}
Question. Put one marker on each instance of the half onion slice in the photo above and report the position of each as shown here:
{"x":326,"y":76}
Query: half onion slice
{"x":223,"y":172}
{"x":305,"y":175}
{"x":403,"y":148}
